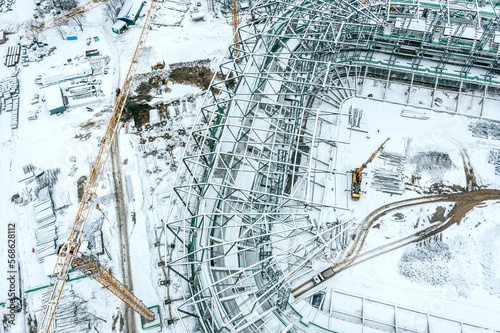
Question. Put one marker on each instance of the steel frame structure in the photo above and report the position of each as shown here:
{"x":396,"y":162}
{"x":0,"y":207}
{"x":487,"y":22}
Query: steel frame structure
{"x":258,"y":196}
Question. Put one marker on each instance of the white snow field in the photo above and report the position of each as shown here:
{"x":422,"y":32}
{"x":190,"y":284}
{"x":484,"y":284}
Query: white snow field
{"x":228,"y":191}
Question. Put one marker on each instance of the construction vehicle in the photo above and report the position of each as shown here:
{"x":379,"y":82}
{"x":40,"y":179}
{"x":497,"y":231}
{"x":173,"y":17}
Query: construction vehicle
{"x":159,"y":65}
{"x":325,"y":275}
{"x":161,"y":81}
{"x":357,"y":176}
{"x":69,"y":255}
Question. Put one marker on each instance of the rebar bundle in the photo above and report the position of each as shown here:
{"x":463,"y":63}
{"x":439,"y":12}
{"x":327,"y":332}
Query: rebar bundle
{"x":390,"y":180}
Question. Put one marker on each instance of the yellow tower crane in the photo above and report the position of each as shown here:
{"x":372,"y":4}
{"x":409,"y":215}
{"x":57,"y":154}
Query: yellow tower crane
{"x":61,"y":18}
{"x":236,"y":39}
{"x":69,"y":255}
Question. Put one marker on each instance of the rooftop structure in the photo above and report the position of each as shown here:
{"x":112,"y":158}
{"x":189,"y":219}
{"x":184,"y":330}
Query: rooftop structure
{"x":55,"y":102}
{"x":260,"y":193}
{"x":130,"y":12}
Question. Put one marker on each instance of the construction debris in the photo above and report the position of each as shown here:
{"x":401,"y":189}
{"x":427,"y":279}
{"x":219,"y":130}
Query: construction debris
{"x":390,"y":179}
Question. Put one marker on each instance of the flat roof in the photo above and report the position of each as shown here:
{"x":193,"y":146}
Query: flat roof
{"x":53,"y":96}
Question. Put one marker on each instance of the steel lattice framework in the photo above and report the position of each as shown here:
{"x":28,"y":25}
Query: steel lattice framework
{"x":258,"y":196}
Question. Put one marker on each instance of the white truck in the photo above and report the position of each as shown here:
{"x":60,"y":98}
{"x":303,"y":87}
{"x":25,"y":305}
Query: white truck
{"x":326,"y":274}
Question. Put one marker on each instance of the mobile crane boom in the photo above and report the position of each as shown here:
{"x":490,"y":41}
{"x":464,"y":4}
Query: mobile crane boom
{"x":357,"y":177}
{"x":69,"y":254}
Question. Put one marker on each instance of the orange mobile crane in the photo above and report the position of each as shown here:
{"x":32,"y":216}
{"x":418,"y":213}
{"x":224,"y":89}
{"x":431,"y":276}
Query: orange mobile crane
{"x":357,"y":177}
{"x":69,"y":255}
{"x":61,"y":18}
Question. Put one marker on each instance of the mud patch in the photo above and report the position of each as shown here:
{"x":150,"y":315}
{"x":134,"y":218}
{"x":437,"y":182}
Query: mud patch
{"x":80,"y":185}
{"x":438,"y":215}
{"x":199,"y":76}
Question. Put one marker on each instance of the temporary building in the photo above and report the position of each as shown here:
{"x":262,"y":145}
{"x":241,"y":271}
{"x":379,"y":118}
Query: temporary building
{"x":59,"y":74}
{"x":119,"y":27}
{"x":200,"y":16}
{"x":54,"y":98}
{"x":130,"y":11}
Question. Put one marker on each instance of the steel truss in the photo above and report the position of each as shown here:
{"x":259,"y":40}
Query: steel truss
{"x":258,"y":196}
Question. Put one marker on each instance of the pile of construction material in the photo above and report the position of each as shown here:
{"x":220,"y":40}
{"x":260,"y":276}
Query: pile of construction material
{"x":12,"y":56}
{"x":355,"y":117}
{"x":61,"y":200}
{"x":99,"y":64}
{"x":70,"y":316}
{"x":390,"y":179}
{"x":484,"y":130}
{"x":84,"y":88}
{"x":46,"y":234}
{"x":494,"y":158}
{"x":9,"y":99}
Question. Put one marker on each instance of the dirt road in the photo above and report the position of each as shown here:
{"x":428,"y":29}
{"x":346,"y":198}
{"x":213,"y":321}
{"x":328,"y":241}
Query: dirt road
{"x":121,"y":214}
{"x":463,"y":202}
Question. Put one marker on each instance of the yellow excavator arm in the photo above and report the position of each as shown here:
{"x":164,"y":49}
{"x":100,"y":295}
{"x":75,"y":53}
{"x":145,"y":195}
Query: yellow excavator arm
{"x":357,"y":176}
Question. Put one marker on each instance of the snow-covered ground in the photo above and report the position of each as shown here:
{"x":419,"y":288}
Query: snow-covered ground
{"x":69,"y":142}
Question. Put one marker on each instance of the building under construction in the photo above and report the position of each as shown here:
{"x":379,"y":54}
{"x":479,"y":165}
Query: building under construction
{"x":258,"y":195}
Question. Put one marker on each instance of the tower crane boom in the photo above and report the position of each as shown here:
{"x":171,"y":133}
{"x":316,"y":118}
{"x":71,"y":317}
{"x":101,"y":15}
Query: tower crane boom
{"x":69,"y":253}
{"x":61,"y":18}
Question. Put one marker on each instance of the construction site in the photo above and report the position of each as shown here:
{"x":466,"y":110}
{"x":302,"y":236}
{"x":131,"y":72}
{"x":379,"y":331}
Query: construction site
{"x":250,"y":166}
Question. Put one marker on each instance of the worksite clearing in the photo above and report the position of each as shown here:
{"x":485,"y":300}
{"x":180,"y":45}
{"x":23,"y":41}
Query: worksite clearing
{"x":412,"y":248}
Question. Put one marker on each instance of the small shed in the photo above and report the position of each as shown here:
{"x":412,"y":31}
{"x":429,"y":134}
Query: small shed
{"x":130,"y":11}
{"x":119,"y":27}
{"x":200,"y":16}
{"x":54,"y":98}
{"x":2,"y":37}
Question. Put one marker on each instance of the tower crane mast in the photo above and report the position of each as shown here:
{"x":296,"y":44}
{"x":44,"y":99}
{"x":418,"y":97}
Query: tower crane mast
{"x":69,"y":254}
{"x":61,"y":18}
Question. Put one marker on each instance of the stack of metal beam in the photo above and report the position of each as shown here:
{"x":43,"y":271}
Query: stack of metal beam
{"x":12,"y":56}
{"x":390,"y":179}
{"x":70,"y":316}
{"x":46,"y":234}
{"x":494,"y":158}
{"x":355,"y":117}
{"x":9,"y":99}
{"x":484,"y":130}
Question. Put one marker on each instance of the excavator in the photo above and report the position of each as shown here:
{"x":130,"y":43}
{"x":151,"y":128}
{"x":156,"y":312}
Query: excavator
{"x":161,"y":81}
{"x":357,"y":177}
{"x":158,"y":65}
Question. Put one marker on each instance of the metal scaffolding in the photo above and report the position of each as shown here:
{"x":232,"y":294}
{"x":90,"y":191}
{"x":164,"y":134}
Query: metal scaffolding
{"x":258,"y":196}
